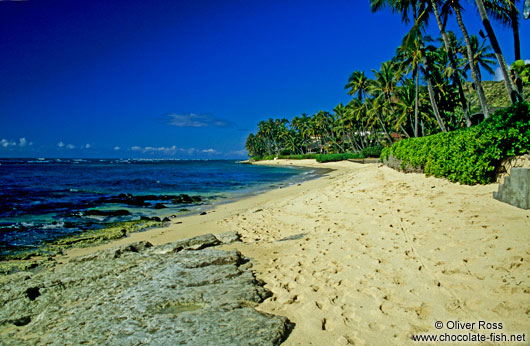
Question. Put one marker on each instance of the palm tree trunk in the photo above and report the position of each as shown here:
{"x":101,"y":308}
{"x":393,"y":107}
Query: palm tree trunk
{"x":404,"y":131}
{"x":456,"y":78}
{"x":434,"y":105}
{"x":474,"y":74}
{"x":516,"y":41}
{"x":510,"y":88}
{"x":384,"y":128}
{"x":514,"y":14}
{"x":416,"y":101}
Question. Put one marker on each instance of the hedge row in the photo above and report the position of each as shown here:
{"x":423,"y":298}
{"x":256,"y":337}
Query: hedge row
{"x":366,"y":152}
{"x":472,"y":155}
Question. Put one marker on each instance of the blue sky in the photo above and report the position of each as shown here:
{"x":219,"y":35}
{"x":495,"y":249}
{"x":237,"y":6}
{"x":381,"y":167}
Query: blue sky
{"x":180,"y":79}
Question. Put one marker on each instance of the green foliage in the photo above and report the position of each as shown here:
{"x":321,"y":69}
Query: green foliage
{"x":338,"y":157}
{"x":298,"y":157}
{"x":522,"y":69}
{"x":372,"y":151}
{"x":319,"y":157}
{"x":470,"y":155}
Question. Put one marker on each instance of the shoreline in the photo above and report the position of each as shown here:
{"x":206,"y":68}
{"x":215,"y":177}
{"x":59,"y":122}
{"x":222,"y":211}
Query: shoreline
{"x":179,"y":227}
{"x":369,"y":255}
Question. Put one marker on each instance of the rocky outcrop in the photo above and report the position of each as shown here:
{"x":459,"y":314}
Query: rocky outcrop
{"x":512,"y":162}
{"x":397,"y":164}
{"x":516,"y":188}
{"x":107,"y":213}
{"x":187,"y":292}
{"x":141,"y":200}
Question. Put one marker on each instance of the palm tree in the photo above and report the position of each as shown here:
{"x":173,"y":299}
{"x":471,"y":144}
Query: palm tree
{"x":441,"y":26}
{"x":482,"y":56}
{"x":358,"y":84}
{"x":419,"y":9}
{"x":302,"y":125}
{"x":410,"y":57}
{"x":510,"y":88}
{"x":406,"y":104}
{"x":506,"y":13}
{"x":428,"y":76}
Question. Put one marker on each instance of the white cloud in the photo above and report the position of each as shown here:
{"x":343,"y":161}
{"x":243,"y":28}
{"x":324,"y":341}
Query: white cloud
{"x":67,"y":146}
{"x":6,"y":144}
{"x":117,"y":148}
{"x":22,"y":142}
{"x":172,"y":150}
{"x":86,"y":146}
{"x":152,"y":150}
{"x":196,"y":120}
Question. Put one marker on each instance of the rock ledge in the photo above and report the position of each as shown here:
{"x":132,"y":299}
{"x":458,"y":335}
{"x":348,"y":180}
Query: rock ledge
{"x":187,"y":292}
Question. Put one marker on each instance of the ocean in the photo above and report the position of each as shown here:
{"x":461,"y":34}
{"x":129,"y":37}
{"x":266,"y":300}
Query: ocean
{"x":42,"y":200}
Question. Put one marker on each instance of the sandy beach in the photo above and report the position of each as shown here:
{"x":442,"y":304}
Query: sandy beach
{"x":374,"y":256}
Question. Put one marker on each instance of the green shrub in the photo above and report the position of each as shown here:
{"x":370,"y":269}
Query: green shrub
{"x":470,"y":155}
{"x":299,"y":157}
{"x":338,"y":157}
{"x":372,"y":151}
{"x":262,"y":158}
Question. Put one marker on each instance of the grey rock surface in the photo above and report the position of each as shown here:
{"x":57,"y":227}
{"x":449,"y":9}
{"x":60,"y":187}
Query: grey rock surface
{"x":228,"y":237}
{"x":187,"y":292}
{"x":516,"y":188}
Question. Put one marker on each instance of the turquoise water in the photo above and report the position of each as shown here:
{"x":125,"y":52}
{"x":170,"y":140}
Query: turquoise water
{"x":45,"y":199}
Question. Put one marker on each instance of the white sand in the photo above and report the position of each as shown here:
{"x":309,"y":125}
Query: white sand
{"x":383,"y":254}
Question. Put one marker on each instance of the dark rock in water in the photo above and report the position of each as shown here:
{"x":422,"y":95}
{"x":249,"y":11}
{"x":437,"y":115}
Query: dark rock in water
{"x":150,"y":218}
{"x":107,"y":213}
{"x":140,"y":294}
{"x":185,"y":199}
{"x":160,"y":206}
{"x":166,"y":219}
{"x":203,"y":213}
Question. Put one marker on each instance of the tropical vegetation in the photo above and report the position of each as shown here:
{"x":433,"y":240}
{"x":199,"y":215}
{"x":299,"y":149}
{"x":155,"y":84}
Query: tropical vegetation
{"x":468,"y":155}
{"x":423,"y":90}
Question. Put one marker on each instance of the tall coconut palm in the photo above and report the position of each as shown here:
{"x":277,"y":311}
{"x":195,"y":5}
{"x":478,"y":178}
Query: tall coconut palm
{"x":358,"y":83}
{"x":419,"y":10}
{"x":508,"y":83}
{"x":506,"y":13}
{"x":482,"y":56}
{"x":427,"y":73}
{"x":410,"y":57}
{"x":445,"y":8}
{"x":405,"y":105}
